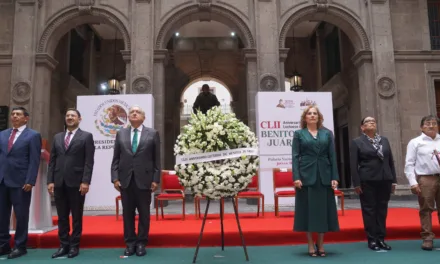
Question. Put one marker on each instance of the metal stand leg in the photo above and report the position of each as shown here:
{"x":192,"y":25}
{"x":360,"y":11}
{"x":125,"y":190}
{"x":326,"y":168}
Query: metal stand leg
{"x":221,"y":224}
{"x":222,"y":229}
{"x":239,"y":229}
{"x":201,"y":231}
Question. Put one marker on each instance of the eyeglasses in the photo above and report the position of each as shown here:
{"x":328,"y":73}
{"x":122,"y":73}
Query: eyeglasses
{"x":434,"y":124}
{"x":370,"y":121}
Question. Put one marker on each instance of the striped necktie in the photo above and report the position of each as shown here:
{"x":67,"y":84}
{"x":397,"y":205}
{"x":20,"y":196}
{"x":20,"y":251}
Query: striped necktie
{"x":67,"y":140}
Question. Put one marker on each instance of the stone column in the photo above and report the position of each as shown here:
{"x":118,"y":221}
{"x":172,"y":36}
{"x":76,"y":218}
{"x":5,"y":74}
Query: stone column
{"x":40,"y":118}
{"x":142,"y":46}
{"x":250,"y":56}
{"x":159,"y":97}
{"x":283,"y":56}
{"x":24,"y":39}
{"x":318,"y":60}
{"x":385,"y":80}
{"x":267,"y":46}
{"x":424,"y":25}
{"x":126,"y":56}
{"x":367,"y":100}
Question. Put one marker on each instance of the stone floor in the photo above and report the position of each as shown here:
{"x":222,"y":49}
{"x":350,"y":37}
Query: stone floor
{"x":175,"y":207}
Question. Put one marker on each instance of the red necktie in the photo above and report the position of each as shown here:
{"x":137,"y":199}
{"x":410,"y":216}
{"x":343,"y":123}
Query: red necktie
{"x":11,"y":139}
{"x":67,"y":140}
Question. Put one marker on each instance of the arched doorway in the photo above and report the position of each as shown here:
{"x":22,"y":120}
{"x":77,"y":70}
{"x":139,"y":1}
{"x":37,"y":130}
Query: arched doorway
{"x":204,"y":44}
{"x":321,"y":46}
{"x":77,"y":53}
{"x":191,"y":92}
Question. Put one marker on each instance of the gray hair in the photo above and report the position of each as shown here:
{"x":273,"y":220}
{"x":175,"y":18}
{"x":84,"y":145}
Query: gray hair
{"x":136,"y":106}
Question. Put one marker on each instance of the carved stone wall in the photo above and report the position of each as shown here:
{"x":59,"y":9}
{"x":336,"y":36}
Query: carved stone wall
{"x":393,"y":61}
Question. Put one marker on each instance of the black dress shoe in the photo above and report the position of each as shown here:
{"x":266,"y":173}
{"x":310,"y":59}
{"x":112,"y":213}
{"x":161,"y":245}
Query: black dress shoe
{"x":73,"y":252}
{"x":129,"y":251}
{"x":62,"y":251}
{"x":16,"y":253}
{"x":383,"y":245}
{"x":5,"y":250}
{"x":373,"y":246}
{"x":140,"y":250}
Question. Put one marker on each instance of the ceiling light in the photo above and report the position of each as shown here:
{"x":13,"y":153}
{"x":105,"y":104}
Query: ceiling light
{"x":177,"y":34}
{"x":232,"y":34}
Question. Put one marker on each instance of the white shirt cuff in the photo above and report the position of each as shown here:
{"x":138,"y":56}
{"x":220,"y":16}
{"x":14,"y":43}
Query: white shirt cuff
{"x":412,"y":181}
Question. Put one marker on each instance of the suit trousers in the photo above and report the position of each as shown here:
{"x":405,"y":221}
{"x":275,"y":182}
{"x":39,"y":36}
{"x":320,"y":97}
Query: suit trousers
{"x":69,"y":200}
{"x":429,"y":197}
{"x":20,"y":201}
{"x":374,"y":204}
{"x":134,"y":198}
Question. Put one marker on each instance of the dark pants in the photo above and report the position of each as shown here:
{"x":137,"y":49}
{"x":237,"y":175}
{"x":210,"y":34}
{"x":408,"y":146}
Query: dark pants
{"x":134,"y":198}
{"x":374,"y":203}
{"x":20,"y":201}
{"x":69,"y":200}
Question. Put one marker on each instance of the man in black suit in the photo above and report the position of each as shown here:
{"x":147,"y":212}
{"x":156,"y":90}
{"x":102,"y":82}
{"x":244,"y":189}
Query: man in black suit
{"x":20,"y":152}
{"x":374,"y":178}
{"x":68,"y":179}
{"x":135,"y":173}
{"x":205,"y":100}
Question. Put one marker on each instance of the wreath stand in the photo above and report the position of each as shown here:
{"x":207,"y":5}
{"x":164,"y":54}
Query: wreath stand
{"x":222,"y":231}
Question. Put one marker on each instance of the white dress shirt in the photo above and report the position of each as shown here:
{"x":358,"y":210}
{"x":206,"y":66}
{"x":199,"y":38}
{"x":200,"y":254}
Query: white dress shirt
{"x":138,"y":135}
{"x":71,"y":136}
{"x":420,"y":158}
{"x":20,"y":130}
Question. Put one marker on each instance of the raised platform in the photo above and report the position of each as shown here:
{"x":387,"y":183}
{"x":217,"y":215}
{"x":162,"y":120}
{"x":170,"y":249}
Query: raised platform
{"x":106,"y":232}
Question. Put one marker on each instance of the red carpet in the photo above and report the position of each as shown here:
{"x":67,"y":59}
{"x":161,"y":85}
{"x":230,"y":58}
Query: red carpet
{"x":105,"y":231}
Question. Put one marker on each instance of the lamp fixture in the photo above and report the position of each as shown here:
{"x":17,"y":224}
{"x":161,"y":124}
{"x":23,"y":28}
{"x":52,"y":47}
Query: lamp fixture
{"x":113,"y":83}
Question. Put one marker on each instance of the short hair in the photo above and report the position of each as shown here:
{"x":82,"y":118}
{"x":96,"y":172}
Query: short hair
{"x":428,"y":118}
{"x":363,"y":120}
{"x":303,"y":116}
{"x":20,"y":108}
{"x":205,"y":86}
{"x":137,"y":106}
{"x":74,"y":110}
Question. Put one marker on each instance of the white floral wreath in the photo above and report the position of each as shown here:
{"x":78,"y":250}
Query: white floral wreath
{"x":213,"y":132}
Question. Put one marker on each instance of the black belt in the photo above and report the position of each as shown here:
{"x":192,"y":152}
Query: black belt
{"x":437,"y":174}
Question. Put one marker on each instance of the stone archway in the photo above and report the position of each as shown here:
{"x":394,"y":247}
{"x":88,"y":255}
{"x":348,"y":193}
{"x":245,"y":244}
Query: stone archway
{"x":351,"y":85}
{"x":194,"y":13}
{"x":213,"y":78}
{"x":65,"y":21}
{"x":45,"y":63}
{"x":331,"y":14}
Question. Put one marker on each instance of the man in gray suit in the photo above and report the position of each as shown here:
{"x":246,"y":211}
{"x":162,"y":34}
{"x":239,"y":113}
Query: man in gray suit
{"x":135,"y":174}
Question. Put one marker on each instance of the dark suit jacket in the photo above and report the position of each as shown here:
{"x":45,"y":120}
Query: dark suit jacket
{"x":73,"y":165}
{"x":144,"y":164}
{"x":205,"y":102}
{"x":365,"y":165}
{"x":312,"y":156}
{"x":20,"y":165}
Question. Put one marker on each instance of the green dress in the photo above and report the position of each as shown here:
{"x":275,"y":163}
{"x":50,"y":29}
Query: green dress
{"x":314,"y":163}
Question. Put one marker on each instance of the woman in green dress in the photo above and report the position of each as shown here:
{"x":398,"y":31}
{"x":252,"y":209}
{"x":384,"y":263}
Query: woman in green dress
{"x":316,"y":176}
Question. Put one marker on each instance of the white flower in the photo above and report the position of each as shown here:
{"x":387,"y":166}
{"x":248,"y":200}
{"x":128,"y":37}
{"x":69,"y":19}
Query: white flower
{"x":212,"y":132}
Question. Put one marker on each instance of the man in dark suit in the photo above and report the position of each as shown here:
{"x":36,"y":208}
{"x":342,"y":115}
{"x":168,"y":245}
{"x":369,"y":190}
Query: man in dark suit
{"x":374,"y":178}
{"x":135,"y":172}
{"x":68,"y":179}
{"x":20,"y":152}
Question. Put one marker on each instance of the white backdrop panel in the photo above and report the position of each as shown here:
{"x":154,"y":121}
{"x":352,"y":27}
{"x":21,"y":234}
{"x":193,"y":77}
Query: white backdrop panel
{"x":103,"y":116}
{"x":278,"y":116}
